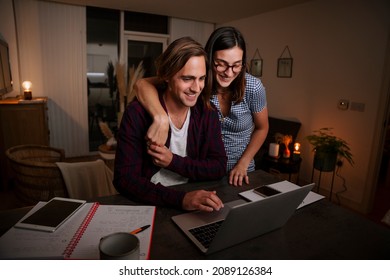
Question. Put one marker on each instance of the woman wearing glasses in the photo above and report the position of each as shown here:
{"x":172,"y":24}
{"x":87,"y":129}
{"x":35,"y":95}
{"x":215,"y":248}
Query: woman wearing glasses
{"x":239,"y":98}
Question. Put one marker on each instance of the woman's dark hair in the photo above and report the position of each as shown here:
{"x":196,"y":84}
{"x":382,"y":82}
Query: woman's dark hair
{"x":173,"y":59}
{"x":225,"y":38}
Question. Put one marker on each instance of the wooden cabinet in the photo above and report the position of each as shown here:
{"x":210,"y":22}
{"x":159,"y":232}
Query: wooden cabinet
{"x":21,"y":122}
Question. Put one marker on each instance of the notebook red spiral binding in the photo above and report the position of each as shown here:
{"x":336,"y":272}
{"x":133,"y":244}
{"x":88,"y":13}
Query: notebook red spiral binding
{"x":80,"y":231}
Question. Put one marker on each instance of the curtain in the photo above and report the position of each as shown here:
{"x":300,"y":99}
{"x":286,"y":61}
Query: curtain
{"x":52,"y":55}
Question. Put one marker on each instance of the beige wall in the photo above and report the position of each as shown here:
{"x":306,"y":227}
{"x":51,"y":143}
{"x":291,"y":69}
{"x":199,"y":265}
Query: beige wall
{"x":339,"y":49}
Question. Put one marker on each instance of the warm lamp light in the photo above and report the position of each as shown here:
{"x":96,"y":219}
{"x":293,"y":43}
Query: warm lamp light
{"x":297,"y":152}
{"x":27,"y":90}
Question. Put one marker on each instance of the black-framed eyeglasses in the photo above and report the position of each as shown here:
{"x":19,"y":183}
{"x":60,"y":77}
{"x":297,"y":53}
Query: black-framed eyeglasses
{"x":223,"y":67}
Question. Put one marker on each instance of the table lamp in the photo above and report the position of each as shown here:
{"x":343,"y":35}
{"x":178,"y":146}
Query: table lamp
{"x":27,"y":90}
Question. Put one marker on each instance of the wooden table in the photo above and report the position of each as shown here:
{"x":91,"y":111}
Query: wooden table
{"x":321,"y":230}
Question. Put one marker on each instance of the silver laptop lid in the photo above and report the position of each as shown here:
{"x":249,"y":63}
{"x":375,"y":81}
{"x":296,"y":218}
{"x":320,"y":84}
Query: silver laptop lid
{"x":244,"y":221}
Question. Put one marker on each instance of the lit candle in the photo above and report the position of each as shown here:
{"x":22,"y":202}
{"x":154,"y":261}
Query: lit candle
{"x":27,"y":90}
{"x":297,"y":152}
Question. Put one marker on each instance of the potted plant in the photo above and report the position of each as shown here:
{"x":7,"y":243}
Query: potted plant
{"x":328,"y":149}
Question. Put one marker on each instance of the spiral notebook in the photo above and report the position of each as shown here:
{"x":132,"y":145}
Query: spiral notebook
{"x":78,"y":237}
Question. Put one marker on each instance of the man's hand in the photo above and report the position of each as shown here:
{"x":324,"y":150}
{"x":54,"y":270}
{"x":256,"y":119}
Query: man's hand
{"x":161,"y":155}
{"x":202,"y":200}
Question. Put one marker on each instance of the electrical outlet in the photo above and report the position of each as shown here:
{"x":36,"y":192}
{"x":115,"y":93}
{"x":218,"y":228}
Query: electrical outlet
{"x":343,"y":104}
{"x":357,"y":106}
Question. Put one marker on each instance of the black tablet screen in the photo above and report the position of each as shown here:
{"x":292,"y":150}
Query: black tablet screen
{"x":53,"y":213}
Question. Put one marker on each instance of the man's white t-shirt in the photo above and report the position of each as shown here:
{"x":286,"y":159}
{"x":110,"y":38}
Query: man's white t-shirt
{"x":178,"y":146}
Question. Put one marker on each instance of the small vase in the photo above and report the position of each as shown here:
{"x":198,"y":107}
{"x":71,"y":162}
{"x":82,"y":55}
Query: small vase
{"x":286,"y":153}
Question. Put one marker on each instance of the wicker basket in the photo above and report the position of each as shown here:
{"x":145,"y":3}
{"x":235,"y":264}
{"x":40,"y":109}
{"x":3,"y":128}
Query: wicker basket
{"x":38,"y":178}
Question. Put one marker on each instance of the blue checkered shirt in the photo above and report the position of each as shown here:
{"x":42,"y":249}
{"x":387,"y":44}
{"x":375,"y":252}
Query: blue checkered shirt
{"x":237,"y":127}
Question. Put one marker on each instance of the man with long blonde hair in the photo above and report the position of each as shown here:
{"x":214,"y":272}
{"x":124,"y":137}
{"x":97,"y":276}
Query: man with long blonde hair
{"x":194,"y":150}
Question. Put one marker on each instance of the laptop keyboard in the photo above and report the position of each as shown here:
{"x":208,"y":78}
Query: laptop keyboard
{"x":205,"y":234}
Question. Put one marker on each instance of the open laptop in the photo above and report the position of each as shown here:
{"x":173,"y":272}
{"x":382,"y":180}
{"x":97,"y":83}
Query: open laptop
{"x":240,"y":220}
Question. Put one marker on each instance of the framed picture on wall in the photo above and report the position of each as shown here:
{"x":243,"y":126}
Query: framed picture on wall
{"x":256,"y":67}
{"x":285,"y":67}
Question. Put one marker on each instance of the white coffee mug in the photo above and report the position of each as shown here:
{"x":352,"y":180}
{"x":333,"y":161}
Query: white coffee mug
{"x":119,"y":246}
{"x":273,"y":150}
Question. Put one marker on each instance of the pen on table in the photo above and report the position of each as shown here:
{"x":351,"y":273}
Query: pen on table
{"x":138,"y":230}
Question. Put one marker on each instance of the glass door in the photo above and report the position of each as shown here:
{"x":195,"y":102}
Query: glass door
{"x":146,"y":49}
{"x":139,"y":48}
{"x":102,"y":53}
